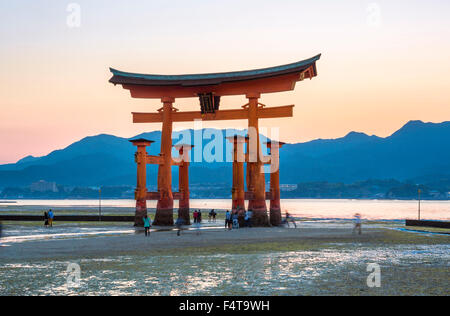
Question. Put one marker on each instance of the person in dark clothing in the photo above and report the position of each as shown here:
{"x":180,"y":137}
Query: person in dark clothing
{"x":227,"y":218}
{"x":45,"y":219}
{"x":212,"y":216}
{"x":249,"y":215}
{"x":247,"y":219}
{"x":199,"y":216}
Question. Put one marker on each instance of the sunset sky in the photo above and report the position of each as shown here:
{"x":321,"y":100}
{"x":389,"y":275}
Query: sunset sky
{"x":383,"y":63}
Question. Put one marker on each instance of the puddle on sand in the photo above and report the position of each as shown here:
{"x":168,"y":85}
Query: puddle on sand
{"x":17,"y":234}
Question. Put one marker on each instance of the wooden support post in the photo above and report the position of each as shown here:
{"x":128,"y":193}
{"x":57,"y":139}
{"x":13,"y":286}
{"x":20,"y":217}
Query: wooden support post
{"x":141,"y":185}
{"x":164,"y":207}
{"x":256,"y":177}
{"x":238,"y":191}
{"x":183,"y":183}
{"x":275,"y":207}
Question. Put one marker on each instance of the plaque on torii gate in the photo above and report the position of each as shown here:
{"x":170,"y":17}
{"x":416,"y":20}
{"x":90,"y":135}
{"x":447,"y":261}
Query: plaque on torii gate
{"x":209,"y":88}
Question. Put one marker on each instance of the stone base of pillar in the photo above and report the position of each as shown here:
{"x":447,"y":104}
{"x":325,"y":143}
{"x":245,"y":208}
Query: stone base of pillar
{"x":141,"y":211}
{"x":259,"y":214}
{"x":164,"y":211}
{"x":163,"y":217}
{"x":184,"y":213}
{"x":275,"y":216}
{"x":238,"y":205}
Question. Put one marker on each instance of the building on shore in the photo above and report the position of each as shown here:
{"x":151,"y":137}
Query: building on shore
{"x":43,"y":186}
{"x":288,"y":187}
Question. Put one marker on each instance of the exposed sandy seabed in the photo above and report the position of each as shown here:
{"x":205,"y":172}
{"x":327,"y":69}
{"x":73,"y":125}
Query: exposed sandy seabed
{"x":211,"y":239}
{"x":163,"y":241}
{"x":410,"y":266}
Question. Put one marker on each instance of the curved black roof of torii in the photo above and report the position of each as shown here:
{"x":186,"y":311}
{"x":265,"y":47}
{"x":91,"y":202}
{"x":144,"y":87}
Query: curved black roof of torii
{"x":120,"y":77}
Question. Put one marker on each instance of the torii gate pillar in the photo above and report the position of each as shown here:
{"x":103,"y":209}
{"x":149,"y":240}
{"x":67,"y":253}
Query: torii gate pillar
{"x":141,"y":187}
{"x":164,"y":207}
{"x":183,"y":183}
{"x":238,"y":190}
{"x":256,"y":179}
{"x":275,"y":208}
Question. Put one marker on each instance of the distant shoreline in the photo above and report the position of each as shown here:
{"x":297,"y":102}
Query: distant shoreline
{"x":301,"y":208}
{"x":221,"y":198}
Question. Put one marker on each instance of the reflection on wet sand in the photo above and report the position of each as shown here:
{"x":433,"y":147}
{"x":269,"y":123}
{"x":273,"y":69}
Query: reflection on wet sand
{"x":290,"y":273}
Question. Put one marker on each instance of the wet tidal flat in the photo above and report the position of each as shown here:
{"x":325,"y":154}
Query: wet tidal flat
{"x":287,"y":262}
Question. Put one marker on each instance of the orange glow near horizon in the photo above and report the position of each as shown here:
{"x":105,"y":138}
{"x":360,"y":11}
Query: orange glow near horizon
{"x":371,"y":79}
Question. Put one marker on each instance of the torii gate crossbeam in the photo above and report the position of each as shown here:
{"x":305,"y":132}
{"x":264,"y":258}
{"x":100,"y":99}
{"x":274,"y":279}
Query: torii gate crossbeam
{"x":238,"y":114}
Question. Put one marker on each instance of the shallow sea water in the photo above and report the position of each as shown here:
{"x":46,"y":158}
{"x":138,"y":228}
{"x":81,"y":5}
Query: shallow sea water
{"x":305,"y":208}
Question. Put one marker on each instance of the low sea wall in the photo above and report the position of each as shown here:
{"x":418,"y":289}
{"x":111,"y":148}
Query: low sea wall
{"x":436,"y":224}
{"x":68,"y":218}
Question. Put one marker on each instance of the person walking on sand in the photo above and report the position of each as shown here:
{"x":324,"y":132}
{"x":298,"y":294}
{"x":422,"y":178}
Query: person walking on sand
{"x":357,"y":227}
{"x":45,"y":219}
{"x":50,"y":218}
{"x":147,"y":225}
{"x":289,"y":218}
{"x":178,"y":224}
{"x":198,"y":226}
{"x":227,"y":220}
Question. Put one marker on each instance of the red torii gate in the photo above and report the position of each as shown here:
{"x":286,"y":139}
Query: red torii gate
{"x":209,"y":88}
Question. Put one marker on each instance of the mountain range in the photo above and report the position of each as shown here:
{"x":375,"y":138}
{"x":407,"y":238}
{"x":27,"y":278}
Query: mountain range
{"x":417,"y":151}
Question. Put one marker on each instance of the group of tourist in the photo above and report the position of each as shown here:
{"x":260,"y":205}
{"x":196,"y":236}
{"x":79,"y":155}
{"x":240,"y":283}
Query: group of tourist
{"x":197,"y":216}
{"x":48,"y":218}
{"x":212,"y":216}
{"x":232,"y":219}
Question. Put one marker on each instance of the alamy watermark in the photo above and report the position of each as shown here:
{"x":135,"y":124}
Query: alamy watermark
{"x":213,"y":145}
{"x":374,"y":17}
{"x":73,"y":19}
{"x":374,"y":278}
{"x":73,"y":275}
